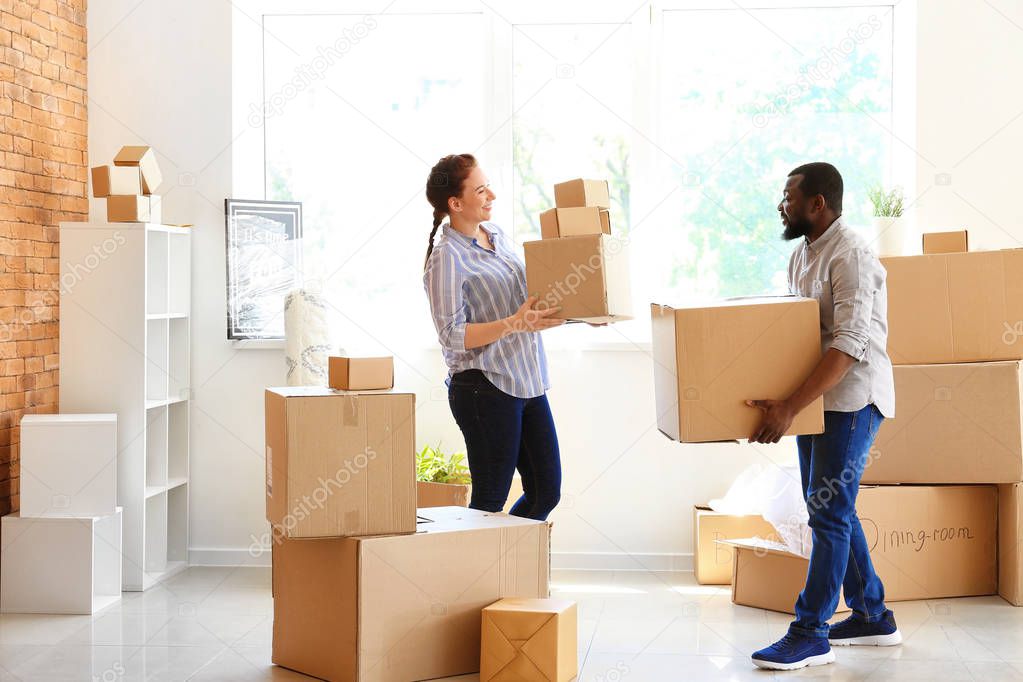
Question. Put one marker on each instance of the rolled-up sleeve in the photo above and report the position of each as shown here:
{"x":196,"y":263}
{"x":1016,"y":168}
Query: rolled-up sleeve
{"x":443,"y":283}
{"x":856,"y":278}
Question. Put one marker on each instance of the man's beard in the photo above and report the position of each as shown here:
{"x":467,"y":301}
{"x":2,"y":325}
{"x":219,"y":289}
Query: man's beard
{"x":796,"y":228}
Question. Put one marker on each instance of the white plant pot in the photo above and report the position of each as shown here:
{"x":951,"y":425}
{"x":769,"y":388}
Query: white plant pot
{"x":889,"y":237}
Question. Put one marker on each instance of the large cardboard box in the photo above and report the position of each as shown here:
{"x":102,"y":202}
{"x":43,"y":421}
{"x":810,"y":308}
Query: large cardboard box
{"x":572,"y":222}
{"x":712,"y":560}
{"x":957,"y":423}
{"x":407,"y":607}
{"x":145,"y":159}
{"x":955,"y":307}
{"x":360,"y":373}
{"x":579,"y":192}
{"x":340,"y":462}
{"x":709,"y":360}
{"x":107,"y":180}
{"x":946,"y":242}
{"x":530,"y":639}
{"x":1010,"y":543}
{"x":431,"y":494}
{"x":587,"y":276}
{"x":926,"y":542}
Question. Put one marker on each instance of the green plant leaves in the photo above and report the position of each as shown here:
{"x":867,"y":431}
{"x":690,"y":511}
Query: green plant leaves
{"x":433,"y":466}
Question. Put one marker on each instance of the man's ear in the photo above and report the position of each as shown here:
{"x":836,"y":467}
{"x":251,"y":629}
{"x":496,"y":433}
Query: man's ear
{"x":818,"y":203}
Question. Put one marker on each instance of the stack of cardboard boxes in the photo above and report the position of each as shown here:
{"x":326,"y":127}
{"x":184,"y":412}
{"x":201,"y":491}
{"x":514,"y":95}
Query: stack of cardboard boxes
{"x":363,"y":587}
{"x":940,"y":501}
{"x":129,"y":186}
{"x":578,"y":265}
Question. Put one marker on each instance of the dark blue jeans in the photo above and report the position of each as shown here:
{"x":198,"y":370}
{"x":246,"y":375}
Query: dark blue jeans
{"x":504,"y":433}
{"x":831,"y":465}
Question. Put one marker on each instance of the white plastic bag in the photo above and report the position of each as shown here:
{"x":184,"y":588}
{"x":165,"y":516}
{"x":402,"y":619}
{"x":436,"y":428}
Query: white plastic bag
{"x":774,"y":492}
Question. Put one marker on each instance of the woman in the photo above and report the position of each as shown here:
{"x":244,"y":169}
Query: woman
{"x":488,"y":330}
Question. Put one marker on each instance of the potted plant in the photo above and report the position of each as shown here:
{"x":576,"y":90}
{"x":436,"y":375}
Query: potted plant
{"x":889,"y":227}
{"x":442,"y":480}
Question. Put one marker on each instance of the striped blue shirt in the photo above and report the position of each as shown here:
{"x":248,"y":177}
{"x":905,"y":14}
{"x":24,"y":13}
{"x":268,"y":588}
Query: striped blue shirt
{"x":467,"y":283}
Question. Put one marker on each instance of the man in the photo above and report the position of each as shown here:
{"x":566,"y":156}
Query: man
{"x":834,"y":265}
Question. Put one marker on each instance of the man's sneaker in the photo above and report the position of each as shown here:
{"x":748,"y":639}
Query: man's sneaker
{"x":854,"y":630}
{"x":794,"y":651}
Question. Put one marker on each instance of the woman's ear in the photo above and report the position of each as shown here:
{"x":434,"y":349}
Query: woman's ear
{"x":454,"y":204}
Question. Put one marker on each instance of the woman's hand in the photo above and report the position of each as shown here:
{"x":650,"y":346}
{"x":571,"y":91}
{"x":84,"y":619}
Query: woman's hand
{"x":526,"y":319}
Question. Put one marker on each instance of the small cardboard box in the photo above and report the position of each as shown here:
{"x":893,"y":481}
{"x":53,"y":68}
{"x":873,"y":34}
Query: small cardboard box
{"x":129,"y":209}
{"x":579,"y":192}
{"x":1010,"y":543}
{"x":712,"y":560}
{"x":587,"y":276}
{"x":123,"y":180}
{"x":955,"y":307}
{"x":406,"y":607}
{"x":957,"y":423}
{"x":709,"y":360}
{"x":529,"y":639}
{"x":145,"y":159}
{"x":340,"y":463}
{"x":572,"y":222}
{"x":926,"y":542}
{"x":431,"y":494}
{"x":360,"y":374}
{"x":946,"y":242}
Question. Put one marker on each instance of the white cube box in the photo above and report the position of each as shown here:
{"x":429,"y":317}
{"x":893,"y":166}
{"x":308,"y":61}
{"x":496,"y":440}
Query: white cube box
{"x":59,"y":565}
{"x":68,"y":465}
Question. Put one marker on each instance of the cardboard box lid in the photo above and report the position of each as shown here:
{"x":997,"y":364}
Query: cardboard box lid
{"x":761,"y":546}
{"x":325,"y":392}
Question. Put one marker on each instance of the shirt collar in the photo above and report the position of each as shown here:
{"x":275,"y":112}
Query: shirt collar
{"x":469,"y":241}
{"x":833,"y":229}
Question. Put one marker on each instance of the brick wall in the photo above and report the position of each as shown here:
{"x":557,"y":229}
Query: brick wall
{"x":43,"y":168}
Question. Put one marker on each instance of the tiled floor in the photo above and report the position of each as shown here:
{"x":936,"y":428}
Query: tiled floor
{"x":215,"y":624}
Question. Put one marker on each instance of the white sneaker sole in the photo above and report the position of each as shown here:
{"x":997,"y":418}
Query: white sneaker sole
{"x":822,"y":659}
{"x":871,"y":640}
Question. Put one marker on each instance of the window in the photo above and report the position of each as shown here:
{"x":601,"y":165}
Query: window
{"x":695,"y":115}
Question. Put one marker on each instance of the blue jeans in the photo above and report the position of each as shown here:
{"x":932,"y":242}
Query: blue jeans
{"x":831,"y":465}
{"x":504,"y":433}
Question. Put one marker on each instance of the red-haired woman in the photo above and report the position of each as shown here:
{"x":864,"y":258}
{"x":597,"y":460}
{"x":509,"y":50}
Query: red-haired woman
{"x":489,"y":333}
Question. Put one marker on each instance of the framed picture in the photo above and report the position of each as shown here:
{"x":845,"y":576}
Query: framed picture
{"x":264,"y":262}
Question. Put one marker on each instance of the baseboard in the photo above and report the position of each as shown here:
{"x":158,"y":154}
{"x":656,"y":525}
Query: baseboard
{"x":579,"y":561}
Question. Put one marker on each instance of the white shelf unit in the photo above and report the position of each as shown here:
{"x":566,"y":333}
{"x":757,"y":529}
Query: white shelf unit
{"x":124,"y":348}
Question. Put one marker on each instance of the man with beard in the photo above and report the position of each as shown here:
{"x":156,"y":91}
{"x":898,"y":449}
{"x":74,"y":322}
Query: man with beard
{"x":834,"y":265}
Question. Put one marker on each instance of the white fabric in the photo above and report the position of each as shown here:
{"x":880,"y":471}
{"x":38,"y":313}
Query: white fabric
{"x":306,"y":338}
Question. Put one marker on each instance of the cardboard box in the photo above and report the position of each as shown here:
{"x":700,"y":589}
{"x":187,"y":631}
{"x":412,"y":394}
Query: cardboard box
{"x":124,"y":180}
{"x":953,"y":424}
{"x":587,"y":276}
{"x":442,"y":494}
{"x":1010,"y":543}
{"x":129,"y":209}
{"x":712,"y":560}
{"x":579,"y":192}
{"x":926,"y":542}
{"x":955,"y":307}
{"x":360,"y":374}
{"x":145,"y":159}
{"x":572,"y":222}
{"x":340,"y":463}
{"x":405,"y":607}
{"x":529,"y":639}
{"x":946,"y":242}
{"x":709,"y":360}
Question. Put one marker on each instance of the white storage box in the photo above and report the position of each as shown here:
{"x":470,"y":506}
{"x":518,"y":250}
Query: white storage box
{"x":59,"y":565}
{"x":68,"y":465}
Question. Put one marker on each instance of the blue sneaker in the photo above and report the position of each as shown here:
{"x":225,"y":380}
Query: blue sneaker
{"x":854,"y":630}
{"x":794,"y":651}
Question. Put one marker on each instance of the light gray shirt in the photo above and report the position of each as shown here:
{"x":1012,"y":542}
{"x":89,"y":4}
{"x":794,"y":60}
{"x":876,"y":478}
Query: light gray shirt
{"x":848,"y":281}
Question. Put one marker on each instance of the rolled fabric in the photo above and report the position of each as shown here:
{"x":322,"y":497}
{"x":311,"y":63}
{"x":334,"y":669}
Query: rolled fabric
{"x":306,"y":338}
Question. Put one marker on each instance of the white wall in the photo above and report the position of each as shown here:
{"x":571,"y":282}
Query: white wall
{"x":161,"y":73}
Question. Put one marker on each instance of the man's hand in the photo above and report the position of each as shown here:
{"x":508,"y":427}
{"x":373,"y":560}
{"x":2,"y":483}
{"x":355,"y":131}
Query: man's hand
{"x":778,"y":416}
